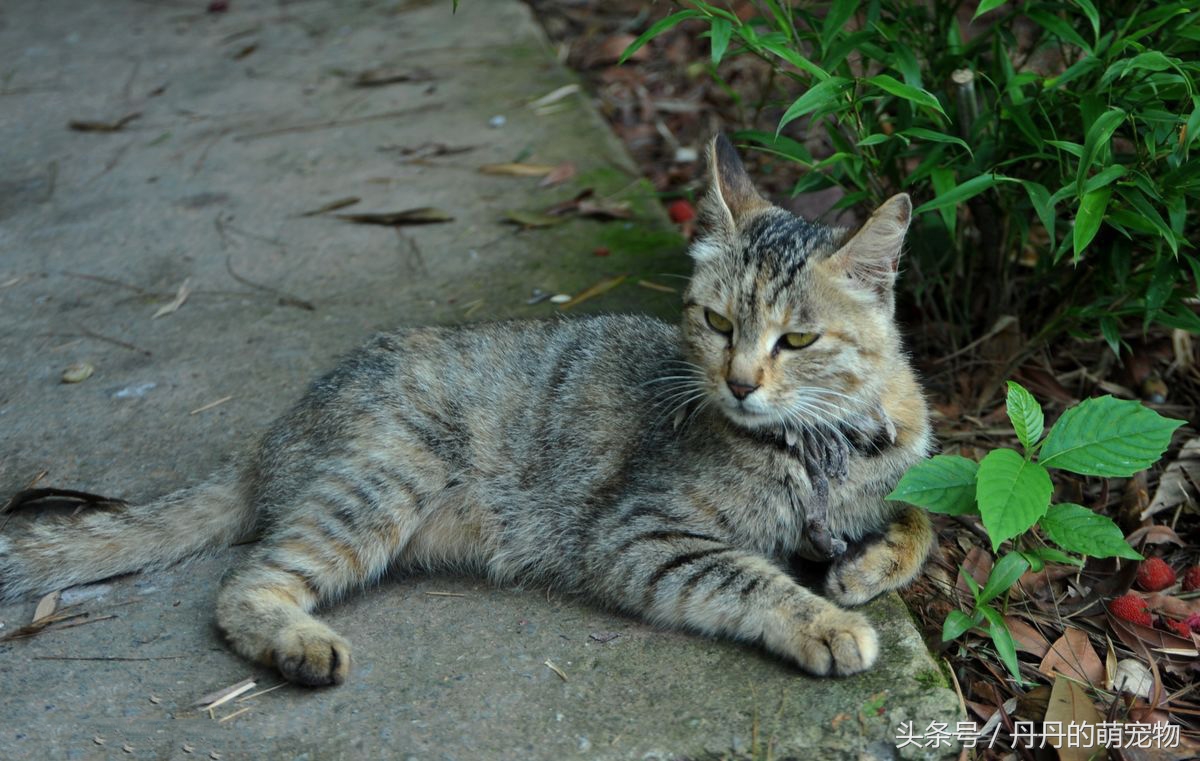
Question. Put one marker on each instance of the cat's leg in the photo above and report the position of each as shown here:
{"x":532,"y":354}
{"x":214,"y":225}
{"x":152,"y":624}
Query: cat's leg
{"x":686,"y":580}
{"x":330,"y":544}
{"x":882,"y":562}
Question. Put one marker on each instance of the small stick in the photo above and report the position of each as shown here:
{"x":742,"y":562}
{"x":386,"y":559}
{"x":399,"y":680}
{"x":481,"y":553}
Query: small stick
{"x":253,"y":695}
{"x":233,"y":715}
{"x":561,"y":674}
{"x":445,"y":594}
{"x":210,"y":405}
{"x":225,"y":694}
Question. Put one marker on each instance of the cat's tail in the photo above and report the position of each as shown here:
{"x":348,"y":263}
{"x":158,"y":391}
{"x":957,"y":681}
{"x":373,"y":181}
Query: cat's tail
{"x":42,"y":554}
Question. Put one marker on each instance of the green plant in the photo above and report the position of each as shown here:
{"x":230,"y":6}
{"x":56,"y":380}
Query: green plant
{"x":1011,"y":491}
{"x":1046,"y":143}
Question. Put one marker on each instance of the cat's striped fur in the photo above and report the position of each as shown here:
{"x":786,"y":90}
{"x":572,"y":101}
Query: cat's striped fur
{"x":606,"y":456}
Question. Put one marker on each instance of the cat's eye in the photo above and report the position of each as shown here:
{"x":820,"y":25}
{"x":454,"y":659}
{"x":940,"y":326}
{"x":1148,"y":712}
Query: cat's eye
{"x":798,"y":340}
{"x":717,"y":322}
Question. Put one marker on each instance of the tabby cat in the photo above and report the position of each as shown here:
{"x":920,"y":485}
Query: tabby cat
{"x":663,"y":471}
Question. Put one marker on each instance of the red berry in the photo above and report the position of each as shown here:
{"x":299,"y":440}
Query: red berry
{"x":1193,"y":622}
{"x":1131,"y":608}
{"x":1180,"y":627}
{"x":1191,"y":579}
{"x":218,"y":6}
{"x":1154,"y":575}
{"x":681,"y":211}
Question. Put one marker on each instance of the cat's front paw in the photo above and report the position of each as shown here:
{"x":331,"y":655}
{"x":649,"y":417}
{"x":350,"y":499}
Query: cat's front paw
{"x":882,"y":562}
{"x":835,"y":642}
{"x":312,"y":654}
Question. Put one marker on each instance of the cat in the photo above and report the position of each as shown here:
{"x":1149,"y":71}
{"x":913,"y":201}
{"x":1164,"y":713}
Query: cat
{"x":666,"y":472}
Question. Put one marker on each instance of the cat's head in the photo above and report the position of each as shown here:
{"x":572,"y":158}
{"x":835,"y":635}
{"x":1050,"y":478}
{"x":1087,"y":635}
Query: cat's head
{"x":788,"y":322}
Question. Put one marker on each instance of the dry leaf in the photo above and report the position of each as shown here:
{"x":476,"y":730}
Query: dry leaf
{"x":78,"y":372}
{"x":181,"y":296}
{"x":81,"y":125}
{"x":558,"y":175}
{"x":1069,"y":703}
{"x":518,"y":170}
{"x":1154,"y":534}
{"x":554,"y":96}
{"x":1179,"y":482}
{"x":604,"y":286}
{"x":605,"y":209}
{"x":340,"y":203}
{"x":1027,"y":638}
{"x":1133,"y":677}
{"x":529,"y":220}
{"x":46,"y":606}
{"x":979,"y":565}
{"x":656,"y":286}
{"x":1073,"y":655}
{"x":424,"y":215}
{"x":1139,"y":637}
{"x":561,"y":674}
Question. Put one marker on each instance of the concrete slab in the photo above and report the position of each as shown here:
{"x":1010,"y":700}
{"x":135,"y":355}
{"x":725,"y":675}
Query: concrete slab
{"x":246,"y":119}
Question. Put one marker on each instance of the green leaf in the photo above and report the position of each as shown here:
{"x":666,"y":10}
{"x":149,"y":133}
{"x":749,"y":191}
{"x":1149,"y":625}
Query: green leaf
{"x":875,"y":139}
{"x":1107,"y":437}
{"x":1098,"y":136}
{"x":915,"y":95}
{"x":656,"y":29}
{"x":1051,"y":555}
{"x":957,"y":623}
{"x":933,"y":136}
{"x":1012,"y":494}
{"x":1025,"y":414}
{"x":1111,"y":333}
{"x":721,"y":32}
{"x":818,"y":96}
{"x":963,"y":192}
{"x":942,"y":484}
{"x":1004,"y":574}
{"x":836,"y":18}
{"x":1087,"y":220}
{"x":942,"y":178}
{"x":1042,"y":205}
{"x":1002,"y":639}
{"x":1093,"y":16}
{"x":985,"y":6}
{"x":794,"y":58}
{"x":1058,"y":28}
{"x":1077,"y":529}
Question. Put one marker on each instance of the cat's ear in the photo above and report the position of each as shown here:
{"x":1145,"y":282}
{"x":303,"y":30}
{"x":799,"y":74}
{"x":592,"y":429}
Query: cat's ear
{"x":872,"y":255}
{"x":731,"y":195}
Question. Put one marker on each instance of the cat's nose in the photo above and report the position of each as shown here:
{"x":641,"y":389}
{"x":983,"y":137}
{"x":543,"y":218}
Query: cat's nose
{"x":740,"y":390}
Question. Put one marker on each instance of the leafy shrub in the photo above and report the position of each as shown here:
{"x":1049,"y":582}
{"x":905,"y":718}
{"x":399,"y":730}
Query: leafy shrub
{"x":1011,"y":491}
{"x":1054,"y":185}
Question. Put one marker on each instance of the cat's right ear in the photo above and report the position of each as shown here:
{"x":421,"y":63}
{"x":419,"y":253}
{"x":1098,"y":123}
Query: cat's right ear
{"x":731,"y":195}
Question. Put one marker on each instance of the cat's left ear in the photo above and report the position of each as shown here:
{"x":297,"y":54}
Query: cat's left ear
{"x":872,"y":255}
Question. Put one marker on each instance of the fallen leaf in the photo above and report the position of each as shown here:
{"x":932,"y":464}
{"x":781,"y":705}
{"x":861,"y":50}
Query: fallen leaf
{"x":554,"y":96}
{"x":1070,"y":704}
{"x":1139,"y":637}
{"x":78,"y":372}
{"x":594,"y":290}
{"x":340,"y":203}
{"x":1179,"y":481}
{"x":558,"y":175}
{"x":1072,"y":654}
{"x":978,"y":564}
{"x":1154,"y":534}
{"x":516,"y":169}
{"x":82,"y":125}
{"x":386,"y":75}
{"x":181,"y":296}
{"x":424,"y":215}
{"x":529,"y":220}
{"x":1133,"y":677}
{"x":656,"y":286}
{"x":605,"y":209}
{"x":603,"y":637}
{"x":1027,"y":638}
{"x":571,"y":204}
{"x":46,"y":606}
